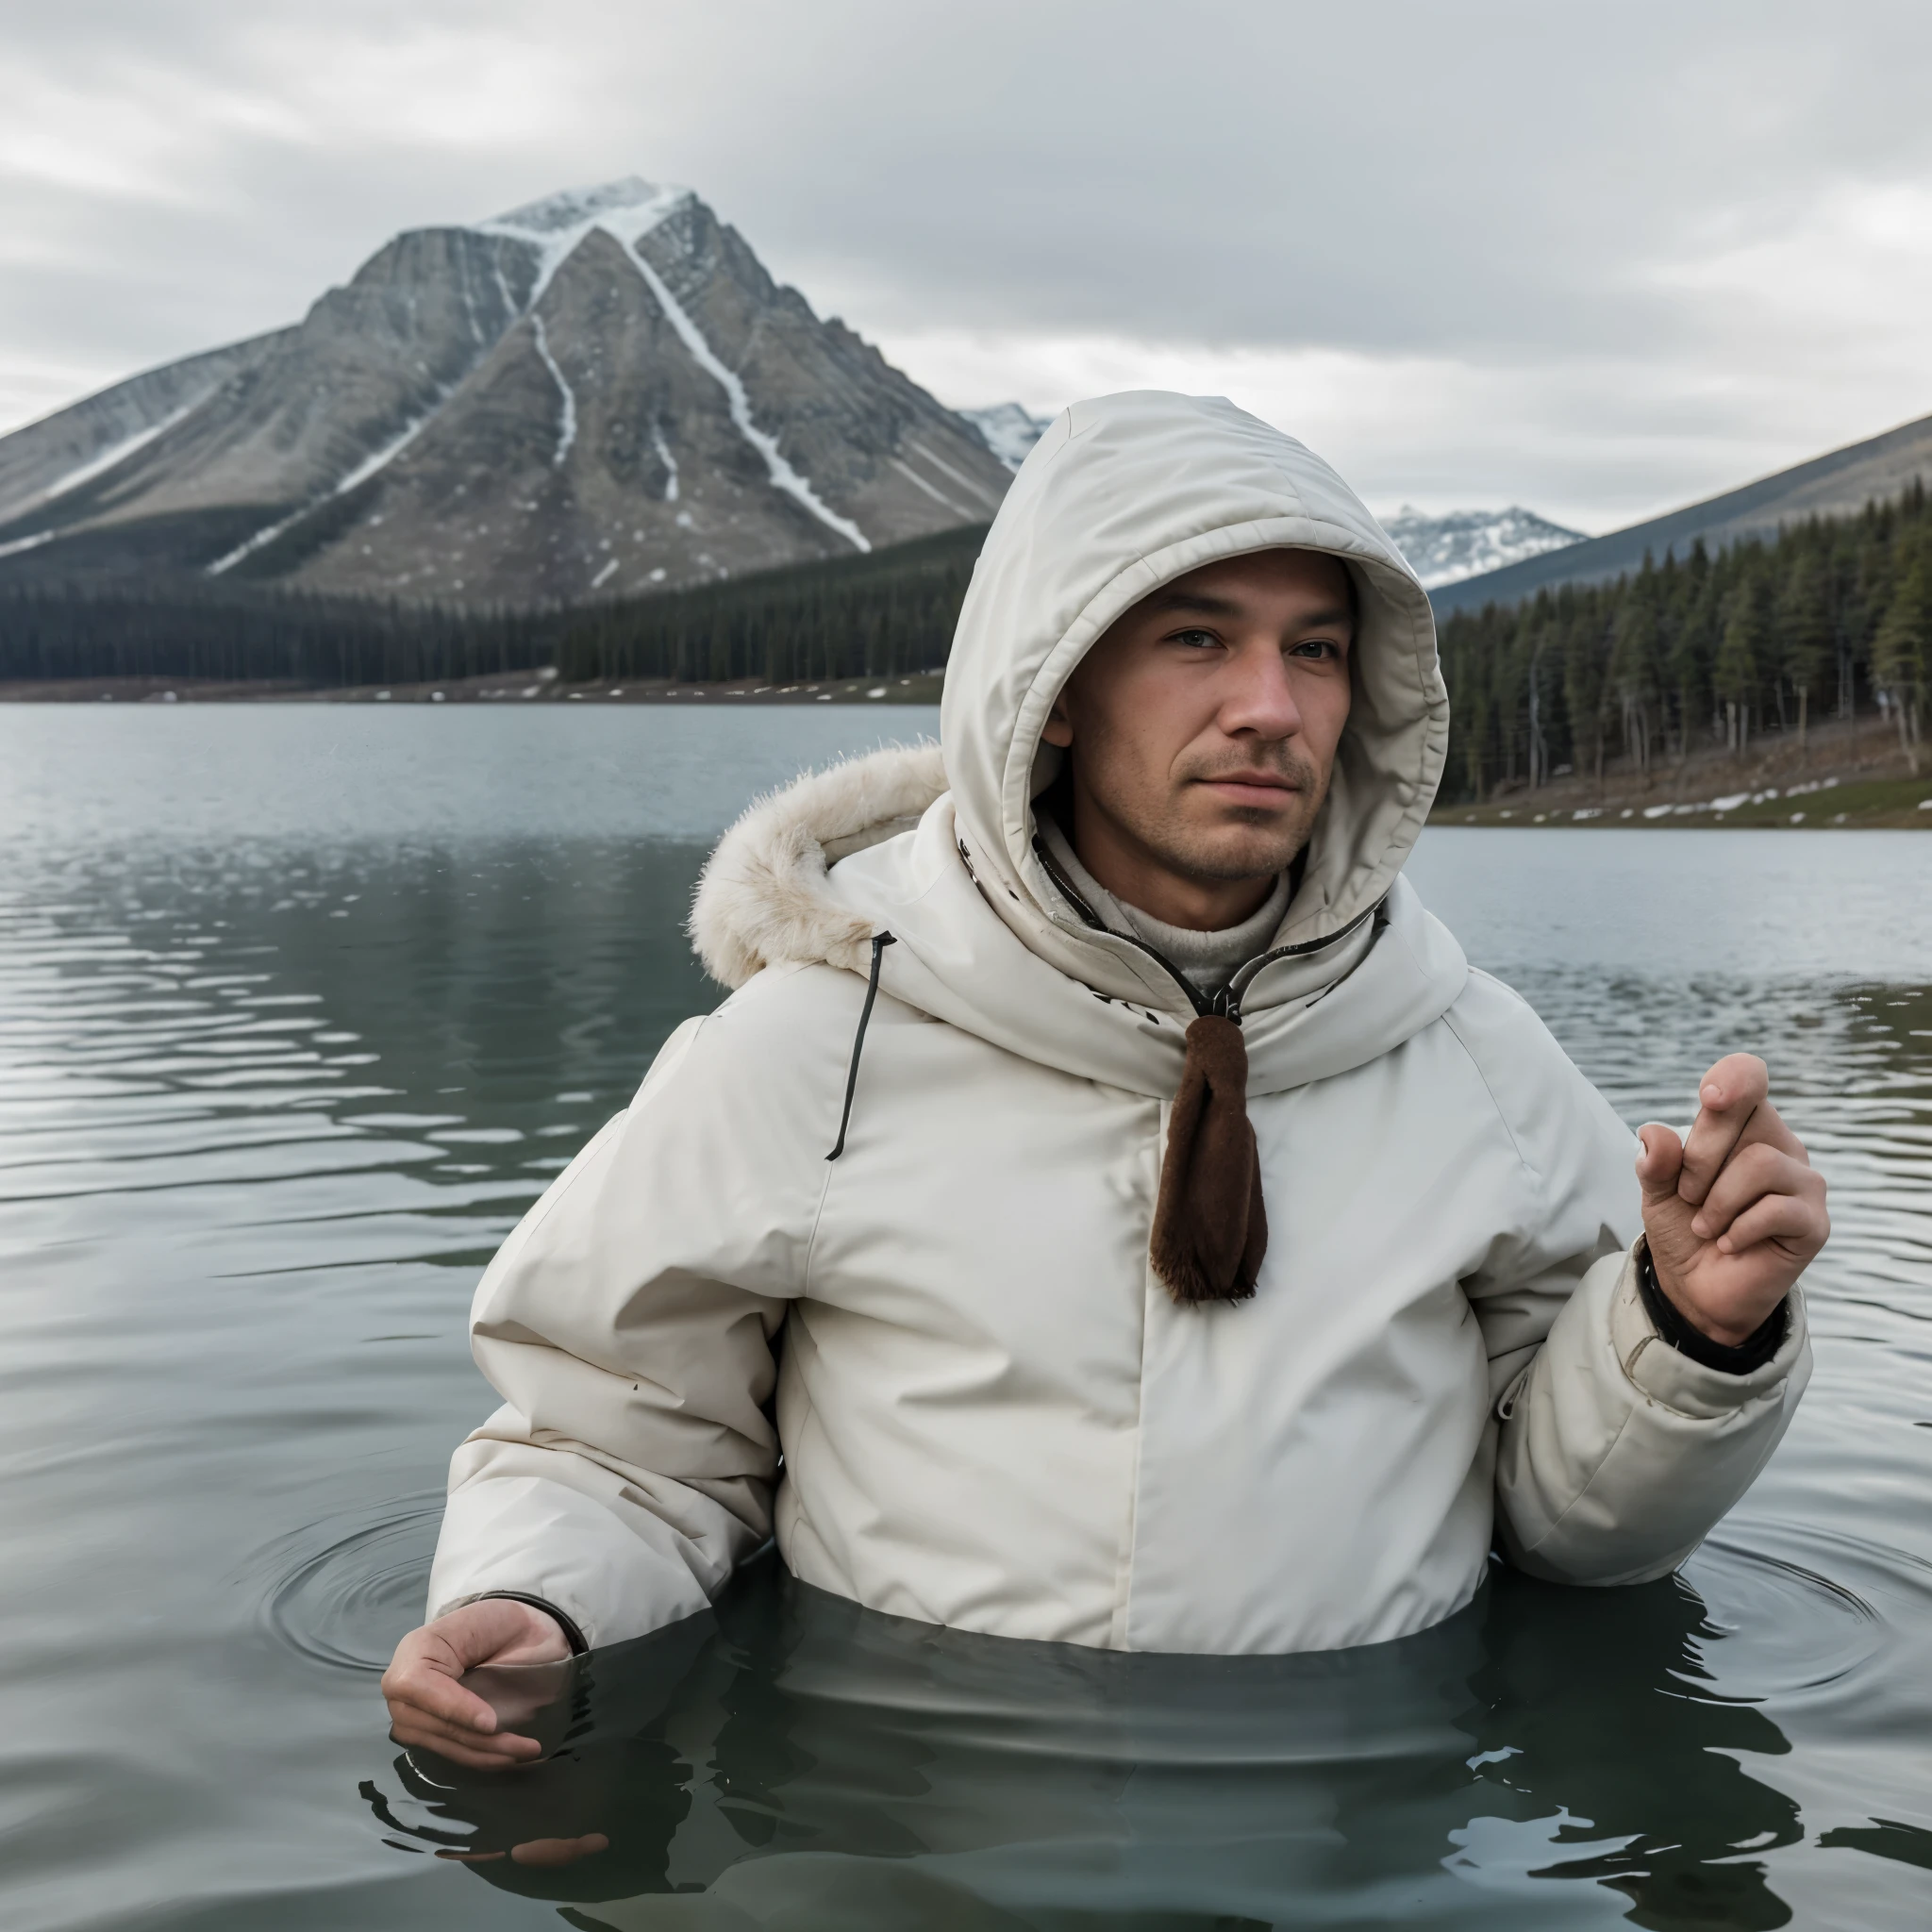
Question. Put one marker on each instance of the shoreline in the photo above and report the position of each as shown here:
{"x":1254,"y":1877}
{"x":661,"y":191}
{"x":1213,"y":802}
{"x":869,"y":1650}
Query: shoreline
{"x":1821,"y":806}
{"x":1849,"y":772}
{"x":541,"y":685}
{"x":1850,"y":776}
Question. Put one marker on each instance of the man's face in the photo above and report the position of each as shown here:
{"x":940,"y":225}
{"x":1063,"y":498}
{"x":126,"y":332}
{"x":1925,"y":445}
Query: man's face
{"x":1203,"y":727}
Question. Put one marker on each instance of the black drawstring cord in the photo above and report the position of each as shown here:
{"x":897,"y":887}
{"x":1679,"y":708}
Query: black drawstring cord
{"x":880,"y":940}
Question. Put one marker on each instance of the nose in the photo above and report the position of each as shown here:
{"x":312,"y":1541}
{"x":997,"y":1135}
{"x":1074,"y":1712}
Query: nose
{"x":1259,"y":697}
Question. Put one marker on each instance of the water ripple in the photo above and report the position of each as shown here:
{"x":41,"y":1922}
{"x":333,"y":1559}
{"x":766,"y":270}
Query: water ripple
{"x":343,"y":1589}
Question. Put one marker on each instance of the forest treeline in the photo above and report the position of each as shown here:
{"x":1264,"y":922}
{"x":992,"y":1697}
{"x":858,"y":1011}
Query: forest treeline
{"x":889,"y":611}
{"x":1832,"y":617}
{"x":236,"y":633}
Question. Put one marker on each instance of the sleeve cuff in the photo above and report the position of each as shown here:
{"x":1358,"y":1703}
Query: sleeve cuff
{"x":1752,"y":1353}
{"x":566,"y":1622}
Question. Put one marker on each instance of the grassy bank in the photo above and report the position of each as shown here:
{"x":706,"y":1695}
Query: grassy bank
{"x":1905,"y":803}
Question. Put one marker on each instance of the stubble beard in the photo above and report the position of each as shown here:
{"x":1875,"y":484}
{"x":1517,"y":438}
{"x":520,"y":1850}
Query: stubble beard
{"x":1185,"y":845}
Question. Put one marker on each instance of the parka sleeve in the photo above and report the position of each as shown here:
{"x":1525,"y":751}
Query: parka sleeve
{"x":629,"y":1325}
{"x":1616,"y":1456}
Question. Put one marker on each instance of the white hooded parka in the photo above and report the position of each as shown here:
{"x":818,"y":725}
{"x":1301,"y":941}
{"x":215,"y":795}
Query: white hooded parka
{"x":990,"y":1414}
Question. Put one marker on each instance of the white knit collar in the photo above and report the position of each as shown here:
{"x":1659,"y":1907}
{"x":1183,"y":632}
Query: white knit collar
{"x":1209,"y":959}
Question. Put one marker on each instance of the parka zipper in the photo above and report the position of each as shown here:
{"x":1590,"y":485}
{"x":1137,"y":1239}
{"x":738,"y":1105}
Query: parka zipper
{"x":1226,"y":1003}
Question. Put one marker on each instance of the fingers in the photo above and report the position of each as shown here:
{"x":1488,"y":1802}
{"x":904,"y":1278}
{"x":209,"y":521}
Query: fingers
{"x":433,"y":1692}
{"x":1751,"y":1176}
{"x":463,"y":1755}
{"x":1659,"y":1160}
{"x":1737,"y":1084}
{"x":1798,"y":1225}
{"x":1728,"y":1095}
{"x":414,"y":1728}
{"x":430,"y":1708}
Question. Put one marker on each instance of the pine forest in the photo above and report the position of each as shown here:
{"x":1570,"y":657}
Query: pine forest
{"x":1832,"y":619}
{"x":1703,"y":651}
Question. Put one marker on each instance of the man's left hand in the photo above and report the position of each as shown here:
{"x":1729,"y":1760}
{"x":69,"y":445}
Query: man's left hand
{"x":1735,"y":1214}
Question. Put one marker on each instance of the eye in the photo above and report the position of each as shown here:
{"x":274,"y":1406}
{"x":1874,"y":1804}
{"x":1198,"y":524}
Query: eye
{"x":1316,"y":647}
{"x":1194,"y":639}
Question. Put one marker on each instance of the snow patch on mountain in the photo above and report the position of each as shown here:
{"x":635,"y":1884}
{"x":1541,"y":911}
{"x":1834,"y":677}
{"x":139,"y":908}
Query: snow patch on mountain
{"x":377,"y":460}
{"x":555,"y":226}
{"x":1008,"y":429}
{"x":567,"y":422}
{"x":781,"y":473}
{"x":919,"y":482}
{"x":627,"y":211}
{"x":114,"y":453}
{"x":665,"y":458}
{"x":959,"y":476}
{"x":1472,"y":543}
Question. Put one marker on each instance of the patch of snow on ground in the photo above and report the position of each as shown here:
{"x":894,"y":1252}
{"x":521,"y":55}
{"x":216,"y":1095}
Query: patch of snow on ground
{"x":1472,"y":543}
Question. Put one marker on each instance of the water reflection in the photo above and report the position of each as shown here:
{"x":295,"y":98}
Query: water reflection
{"x":798,"y":1761}
{"x":275,"y":1076}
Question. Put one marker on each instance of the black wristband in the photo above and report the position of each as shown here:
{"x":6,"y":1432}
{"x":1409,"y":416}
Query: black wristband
{"x":1752,"y":1353}
{"x":572,"y":1636}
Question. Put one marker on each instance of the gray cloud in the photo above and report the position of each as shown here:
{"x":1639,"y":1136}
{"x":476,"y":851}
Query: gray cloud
{"x":1597,"y":259}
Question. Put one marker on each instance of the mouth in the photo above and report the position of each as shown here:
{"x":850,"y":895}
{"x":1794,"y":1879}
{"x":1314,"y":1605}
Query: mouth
{"x":1266,"y":790}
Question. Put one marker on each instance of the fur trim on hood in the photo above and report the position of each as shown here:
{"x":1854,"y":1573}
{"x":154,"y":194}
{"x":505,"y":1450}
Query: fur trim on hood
{"x":762,"y":898}
{"x":1122,"y":496}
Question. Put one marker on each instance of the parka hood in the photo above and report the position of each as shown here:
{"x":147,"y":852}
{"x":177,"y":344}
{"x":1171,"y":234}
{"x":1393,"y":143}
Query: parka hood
{"x":1121,"y":496}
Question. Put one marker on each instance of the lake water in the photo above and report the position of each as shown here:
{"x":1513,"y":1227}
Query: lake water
{"x":301,"y":1006}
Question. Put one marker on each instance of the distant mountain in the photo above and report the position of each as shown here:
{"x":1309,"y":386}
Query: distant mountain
{"x":599,"y":393}
{"x":1009,"y":430}
{"x":1466,"y":543}
{"x":1839,"y":484}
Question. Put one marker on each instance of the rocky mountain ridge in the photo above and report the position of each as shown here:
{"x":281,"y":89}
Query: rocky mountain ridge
{"x":595,"y":394}
{"x":1467,"y":542}
{"x":1838,"y":484}
{"x":1008,"y":429}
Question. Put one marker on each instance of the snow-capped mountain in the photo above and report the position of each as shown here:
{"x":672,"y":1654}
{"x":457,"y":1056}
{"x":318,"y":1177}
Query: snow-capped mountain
{"x":599,"y":393}
{"x":1468,"y":543}
{"x":1009,"y":430}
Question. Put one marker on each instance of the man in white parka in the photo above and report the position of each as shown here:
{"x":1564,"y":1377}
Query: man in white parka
{"x":1112,"y":1195}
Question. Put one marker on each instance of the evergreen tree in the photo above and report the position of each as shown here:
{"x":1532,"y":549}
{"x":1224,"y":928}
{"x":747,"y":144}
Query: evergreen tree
{"x":1805,"y":631}
{"x":1586,"y":683}
{"x":1635,"y":653}
{"x":1742,"y":649}
{"x":1901,"y":649}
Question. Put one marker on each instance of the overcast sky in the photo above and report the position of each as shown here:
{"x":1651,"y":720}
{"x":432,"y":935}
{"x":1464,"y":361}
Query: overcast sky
{"x":1597,"y":259}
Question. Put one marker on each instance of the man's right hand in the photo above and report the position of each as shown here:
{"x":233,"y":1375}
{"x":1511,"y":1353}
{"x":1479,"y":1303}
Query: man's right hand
{"x":430,"y":1708}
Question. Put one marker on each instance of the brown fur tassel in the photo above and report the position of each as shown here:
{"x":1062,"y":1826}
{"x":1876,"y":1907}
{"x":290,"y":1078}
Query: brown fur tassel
{"x":1211,"y":1230}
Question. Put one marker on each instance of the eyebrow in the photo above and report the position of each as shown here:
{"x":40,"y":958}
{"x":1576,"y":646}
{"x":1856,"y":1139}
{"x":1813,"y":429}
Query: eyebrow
{"x":1199,"y":604}
{"x":1196,"y":601}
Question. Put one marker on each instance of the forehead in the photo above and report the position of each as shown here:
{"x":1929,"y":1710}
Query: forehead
{"x":1262,"y":574}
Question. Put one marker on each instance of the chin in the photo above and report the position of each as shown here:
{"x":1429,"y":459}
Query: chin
{"x":1243,"y":854}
